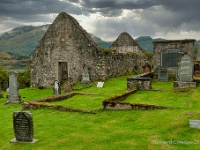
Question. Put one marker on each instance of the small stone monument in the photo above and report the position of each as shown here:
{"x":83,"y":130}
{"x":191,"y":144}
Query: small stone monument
{"x":13,"y":94}
{"x":67,"y":87}
{"x":185,"y":72}
{"x":194,"y":124}
{"x":23,"y":127}
{"x":56,"y":88}
{"x":163,"y":74}
{"x":85,"y":76}
{"x":100,"y":84}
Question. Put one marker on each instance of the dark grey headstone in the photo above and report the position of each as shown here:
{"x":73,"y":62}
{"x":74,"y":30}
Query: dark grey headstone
{"x":185,"y":68}
{"x":56,"y":88}
{"x":163,"y":74}
{"x":23,"y":127}
{"x":13,"y":95}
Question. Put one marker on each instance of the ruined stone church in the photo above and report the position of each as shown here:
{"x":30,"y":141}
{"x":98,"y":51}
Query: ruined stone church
{"x":66,"y":52}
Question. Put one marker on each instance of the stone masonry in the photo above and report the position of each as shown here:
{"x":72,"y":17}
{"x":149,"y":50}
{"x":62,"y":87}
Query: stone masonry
{"x":125,"y":43}
{"x":172,"y":50}
{"x":66,"y":50}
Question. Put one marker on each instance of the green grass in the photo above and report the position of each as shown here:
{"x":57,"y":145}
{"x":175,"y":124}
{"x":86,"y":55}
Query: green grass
{"x":137,"y":129}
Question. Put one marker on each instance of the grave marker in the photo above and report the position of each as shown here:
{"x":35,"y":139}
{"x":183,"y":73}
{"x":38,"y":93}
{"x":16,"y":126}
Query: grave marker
{"x":13,"y":94}
{"x":85,"y":76}
{"x":194,"y":124}
{"x":185,"y":68}
{"x":163,"y":74}
{"x":100,"y":84}
{"x":56,"y":88}
{"x":67,"y":87}
{"x":23,"y":127}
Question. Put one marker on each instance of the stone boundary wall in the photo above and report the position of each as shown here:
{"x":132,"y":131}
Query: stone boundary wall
{"x":114,"y":103}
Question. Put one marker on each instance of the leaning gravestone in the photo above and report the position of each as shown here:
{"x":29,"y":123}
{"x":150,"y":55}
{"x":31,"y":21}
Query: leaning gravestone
{"x":56,"y":88}
{"x":13,"y":94}
{"x":185,"y":68}
{"x":23,"y":127}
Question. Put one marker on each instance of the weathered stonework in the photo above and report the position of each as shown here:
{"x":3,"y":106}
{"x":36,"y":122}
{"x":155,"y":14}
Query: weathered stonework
{"x":66,"y":50}
{"x":165,"y":46}
{"x":139,"y":83}
{"x":125,"y":43}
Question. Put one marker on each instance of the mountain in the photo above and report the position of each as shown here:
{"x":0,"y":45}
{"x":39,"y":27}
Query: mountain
{"x":22,"y":40}
{"x":145,"y":42}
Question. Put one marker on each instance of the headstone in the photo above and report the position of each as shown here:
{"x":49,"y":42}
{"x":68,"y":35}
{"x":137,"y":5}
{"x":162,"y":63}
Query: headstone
{"x":56,"y":88}
{"x":23,"y":127}
{"x":185,"y":68}
{"x":163,"y":74}
{"x":5,"y":86}
{"x":194,"y":124}
{"x":13,"y":95}
{"x":67,"y":87}
{"x":100,"y":84}
{"x":146,"y":68}
{"x":85,"y":76}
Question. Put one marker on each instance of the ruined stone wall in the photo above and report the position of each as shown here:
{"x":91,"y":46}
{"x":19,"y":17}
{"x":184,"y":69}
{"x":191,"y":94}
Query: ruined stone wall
{"x":66,"y":50}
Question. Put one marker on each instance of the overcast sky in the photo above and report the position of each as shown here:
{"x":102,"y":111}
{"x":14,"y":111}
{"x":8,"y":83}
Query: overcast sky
{"x":169,"y":19}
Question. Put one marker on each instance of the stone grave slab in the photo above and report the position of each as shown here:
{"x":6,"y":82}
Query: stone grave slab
{"x":13,"y":94}
{"x":194,"y":124}
{"x":23,"y":127}
{"x":163,"y":74}
{"x":139,"y":83}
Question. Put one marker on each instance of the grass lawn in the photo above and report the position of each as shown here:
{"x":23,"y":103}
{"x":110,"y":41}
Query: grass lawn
{"x":166,"y":129}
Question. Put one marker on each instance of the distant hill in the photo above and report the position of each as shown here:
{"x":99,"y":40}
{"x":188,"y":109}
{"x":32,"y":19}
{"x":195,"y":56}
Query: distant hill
{"x":145,"y":42}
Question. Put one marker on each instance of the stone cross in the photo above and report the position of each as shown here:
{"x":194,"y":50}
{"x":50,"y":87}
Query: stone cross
{"x":56,"y":88}
{"x":13,"y":94}
{"x":23,"y":127}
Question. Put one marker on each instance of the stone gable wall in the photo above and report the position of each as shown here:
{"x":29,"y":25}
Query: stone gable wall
{"x":66,"y":42}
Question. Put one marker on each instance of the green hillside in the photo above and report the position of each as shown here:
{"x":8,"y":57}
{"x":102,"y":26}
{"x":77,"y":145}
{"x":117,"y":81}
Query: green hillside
{"x":22,"y":40}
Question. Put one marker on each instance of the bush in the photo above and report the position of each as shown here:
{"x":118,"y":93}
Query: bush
{"x":24,"y":78}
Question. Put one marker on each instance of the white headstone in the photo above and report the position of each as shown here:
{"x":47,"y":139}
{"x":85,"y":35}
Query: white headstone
{"x":194,"y":124}
{"x":100,"y":84}
{"x":56,"y":88}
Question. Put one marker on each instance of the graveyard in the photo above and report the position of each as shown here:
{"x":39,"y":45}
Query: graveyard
{"x":108,"y":129}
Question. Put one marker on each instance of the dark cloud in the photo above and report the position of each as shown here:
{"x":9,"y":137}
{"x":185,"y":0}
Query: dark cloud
{"x":145,"y":17}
